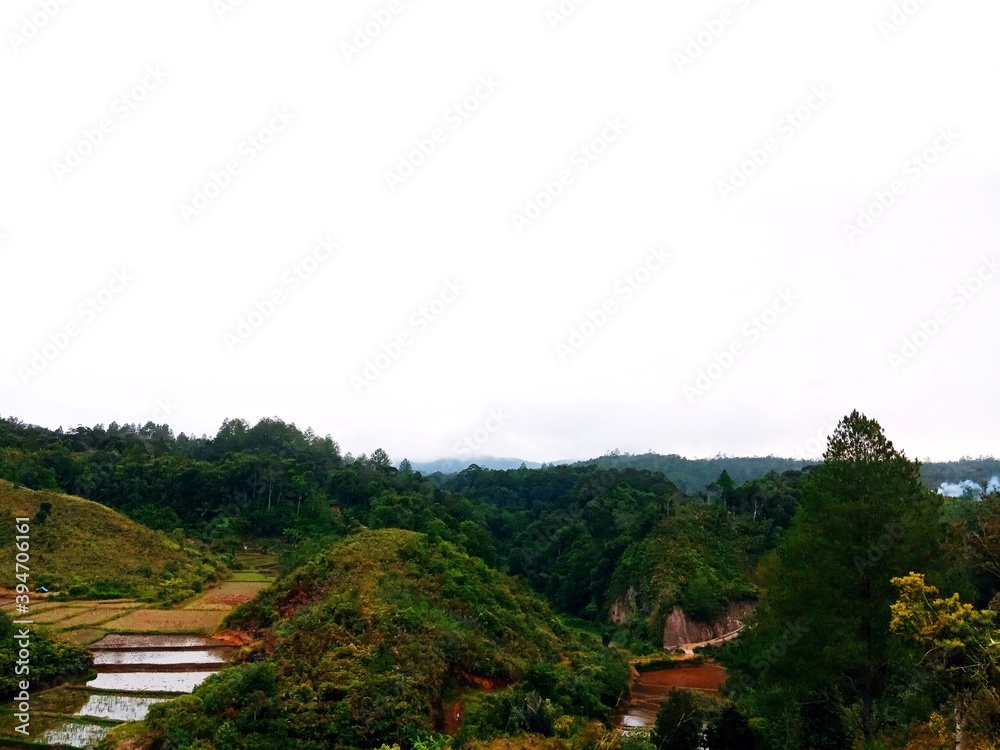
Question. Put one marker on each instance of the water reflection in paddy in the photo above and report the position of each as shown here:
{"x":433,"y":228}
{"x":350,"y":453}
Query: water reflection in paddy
{"x":118,"y":641}
{"x":118,"y":707}
{"x":150,"y":682}
{"x":123,"y":657}
{"x":75,"y":734}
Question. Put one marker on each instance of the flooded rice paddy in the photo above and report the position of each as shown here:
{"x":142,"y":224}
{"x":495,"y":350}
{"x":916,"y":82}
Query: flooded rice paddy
{"x":124,"y":658}
{"x":149,"y":682}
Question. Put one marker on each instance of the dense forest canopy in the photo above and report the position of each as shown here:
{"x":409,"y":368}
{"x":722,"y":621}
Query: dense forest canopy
{"x":566,"y":529}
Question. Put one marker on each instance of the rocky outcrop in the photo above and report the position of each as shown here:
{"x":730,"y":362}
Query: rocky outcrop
{"x":624,"y":607}
{"x":680,"y":629}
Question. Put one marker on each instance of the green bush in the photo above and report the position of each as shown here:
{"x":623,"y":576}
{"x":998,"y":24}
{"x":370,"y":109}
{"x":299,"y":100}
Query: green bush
{"x":52,"y":659}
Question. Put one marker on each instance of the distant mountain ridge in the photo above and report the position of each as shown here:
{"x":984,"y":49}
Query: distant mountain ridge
{"x":456,"y":465}
{"x":695,"y":474}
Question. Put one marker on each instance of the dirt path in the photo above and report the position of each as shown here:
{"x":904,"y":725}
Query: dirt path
{"x":689,"y":648}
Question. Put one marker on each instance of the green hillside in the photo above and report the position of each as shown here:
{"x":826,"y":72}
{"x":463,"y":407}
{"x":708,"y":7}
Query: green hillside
{"x":695,"y":559}
{"x":84,"y":548}
{"x":368,"y":642}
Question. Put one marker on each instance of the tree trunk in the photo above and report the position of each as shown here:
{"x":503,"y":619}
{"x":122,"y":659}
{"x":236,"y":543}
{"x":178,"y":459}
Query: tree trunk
{"x":867,"y":685}
{"x":867,"y":717}
{"x":959,"y":719}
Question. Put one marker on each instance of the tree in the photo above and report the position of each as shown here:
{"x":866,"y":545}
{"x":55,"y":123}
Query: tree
{"x":727,"y":487}
{"x":680,"y":721}
{"x":983,"y":537}
{"x":44,"y":510}
{"x":730,"y":730}
{"x":961,"y":645}
{"x":821,"y":635}
{"x":380,"y":460}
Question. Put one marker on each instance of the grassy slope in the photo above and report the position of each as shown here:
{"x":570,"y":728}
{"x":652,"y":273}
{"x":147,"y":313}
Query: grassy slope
{"x":396,"y":583}
{"x":90,"y":549}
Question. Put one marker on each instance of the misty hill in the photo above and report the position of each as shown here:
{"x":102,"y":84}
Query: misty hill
{"x":695,"y":474}
{"x":983,"y":471}
{"x":692,"y":475}
{"x":455,"y":465}
{"x":689,"y":474}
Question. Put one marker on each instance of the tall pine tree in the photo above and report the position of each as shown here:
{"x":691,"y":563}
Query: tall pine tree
{"x":820,"y":644}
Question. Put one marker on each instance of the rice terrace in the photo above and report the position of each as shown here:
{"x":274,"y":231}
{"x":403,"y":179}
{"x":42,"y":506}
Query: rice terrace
{"x":144,"y":651}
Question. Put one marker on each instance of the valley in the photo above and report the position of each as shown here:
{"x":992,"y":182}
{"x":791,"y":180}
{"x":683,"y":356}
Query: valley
{"x":571,"y":607}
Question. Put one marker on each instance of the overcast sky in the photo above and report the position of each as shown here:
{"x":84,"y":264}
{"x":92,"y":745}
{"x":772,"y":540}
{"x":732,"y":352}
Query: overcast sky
{"x":545,"y":229}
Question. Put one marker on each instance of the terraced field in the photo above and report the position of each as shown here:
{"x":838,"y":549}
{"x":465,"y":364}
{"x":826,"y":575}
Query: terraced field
{"x":142,"y":656}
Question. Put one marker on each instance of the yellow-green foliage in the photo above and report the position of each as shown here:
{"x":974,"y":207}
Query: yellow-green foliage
{"x":86,"y":549}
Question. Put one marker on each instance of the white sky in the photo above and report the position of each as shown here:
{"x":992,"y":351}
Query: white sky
{"x":686,"y":126}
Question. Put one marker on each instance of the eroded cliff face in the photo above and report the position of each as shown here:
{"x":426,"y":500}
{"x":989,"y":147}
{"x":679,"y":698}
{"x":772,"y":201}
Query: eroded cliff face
{"x":680,"y":629}
{"x":624,"y":607}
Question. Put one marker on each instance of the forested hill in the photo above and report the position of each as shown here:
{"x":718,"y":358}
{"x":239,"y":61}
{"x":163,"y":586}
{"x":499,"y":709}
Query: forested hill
{"x":694,"y":475}
{"x":690,"y":475}
{"x":566,"y":529}
{"x":372,"y":640}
